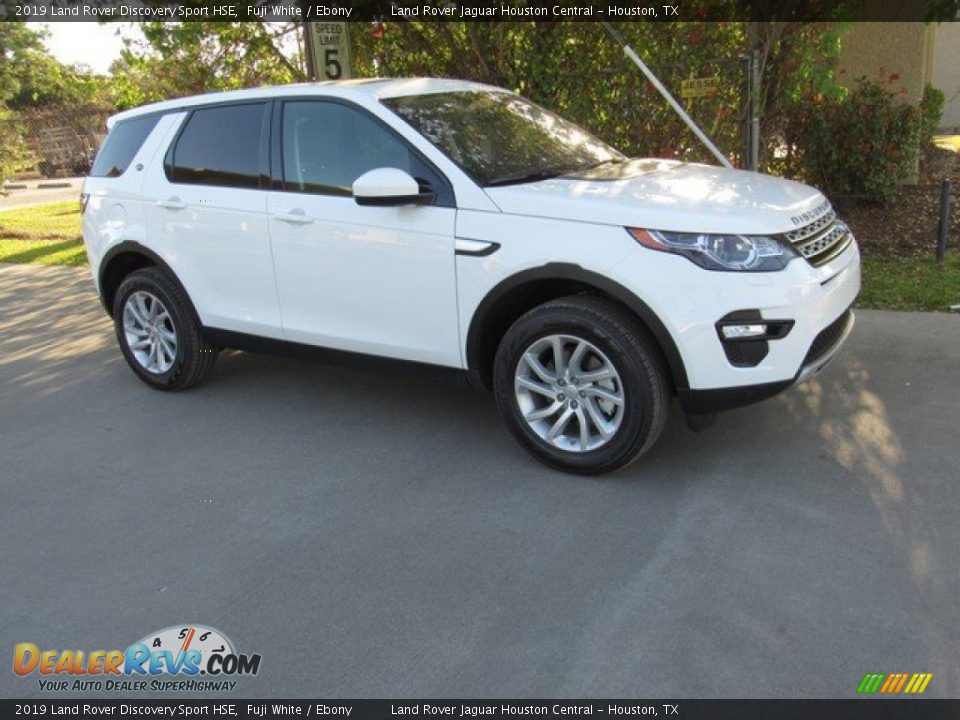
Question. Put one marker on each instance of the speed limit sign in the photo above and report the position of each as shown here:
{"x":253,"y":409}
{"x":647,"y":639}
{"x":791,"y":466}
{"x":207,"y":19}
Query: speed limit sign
{"x":330,"y":46}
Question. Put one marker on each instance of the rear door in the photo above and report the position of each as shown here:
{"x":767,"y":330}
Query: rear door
{"x":207,"y":204}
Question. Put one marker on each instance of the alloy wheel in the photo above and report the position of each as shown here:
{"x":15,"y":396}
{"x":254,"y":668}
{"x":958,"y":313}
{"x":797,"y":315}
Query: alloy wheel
{"x":149,"y":331}
{"x":569,"y":393}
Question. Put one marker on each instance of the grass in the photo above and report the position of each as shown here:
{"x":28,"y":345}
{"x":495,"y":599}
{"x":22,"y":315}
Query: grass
{"x":910,"y":283}
{"x":50,"y":235}
{"x":42,"y":234}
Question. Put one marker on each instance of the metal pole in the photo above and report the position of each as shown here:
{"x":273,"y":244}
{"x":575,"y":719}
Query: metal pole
{"x":308,"y":47}
{"x":746,"y":127}
{"x":944,"y":220}
{"x":668,"y":97}
{"x":755,"y":80}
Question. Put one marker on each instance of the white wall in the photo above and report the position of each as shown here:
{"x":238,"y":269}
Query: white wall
{"x":946,"y":70}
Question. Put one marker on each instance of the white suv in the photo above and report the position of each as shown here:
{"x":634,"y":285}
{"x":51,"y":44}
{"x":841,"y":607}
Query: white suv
{"x":460,"y":228}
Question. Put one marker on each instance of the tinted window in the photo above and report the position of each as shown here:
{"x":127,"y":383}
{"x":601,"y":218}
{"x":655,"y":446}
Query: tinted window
{"x":326,"y":146}
{"x":121,"y":145}
{"x":220,"y":146}
{"x":499,"y":138}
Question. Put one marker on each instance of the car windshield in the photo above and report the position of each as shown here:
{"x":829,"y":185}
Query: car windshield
{"x":498,"y":138}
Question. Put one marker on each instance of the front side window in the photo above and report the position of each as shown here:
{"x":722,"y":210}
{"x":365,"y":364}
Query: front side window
{"x":327,"y":145}
{"x":121,"y":145}
{"x":498,"y":138}
{"x":220,"y":146}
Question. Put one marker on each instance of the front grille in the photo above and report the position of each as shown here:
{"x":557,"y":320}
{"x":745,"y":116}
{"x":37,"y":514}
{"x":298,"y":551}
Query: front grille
{"x":805,"y":231}
{"x":822,"y":239}
{"x":827,"y":339}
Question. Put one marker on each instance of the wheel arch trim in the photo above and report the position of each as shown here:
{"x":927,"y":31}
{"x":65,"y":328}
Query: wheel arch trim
{"x":575,"y":273}
{"x":135,"y":248}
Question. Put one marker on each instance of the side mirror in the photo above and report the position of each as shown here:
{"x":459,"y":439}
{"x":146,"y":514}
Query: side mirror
{"x":388,"y":187}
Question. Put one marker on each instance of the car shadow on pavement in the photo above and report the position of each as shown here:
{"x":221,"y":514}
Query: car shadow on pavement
{"x":51,"y":322}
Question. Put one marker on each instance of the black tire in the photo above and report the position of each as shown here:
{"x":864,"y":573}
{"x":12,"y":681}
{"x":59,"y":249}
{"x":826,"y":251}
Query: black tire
{"x":634,"y":356}
{"x":194,"y":358}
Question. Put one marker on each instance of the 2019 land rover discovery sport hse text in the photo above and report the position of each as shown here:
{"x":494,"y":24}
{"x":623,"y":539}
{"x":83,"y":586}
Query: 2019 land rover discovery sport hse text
{"x":461,"y":227}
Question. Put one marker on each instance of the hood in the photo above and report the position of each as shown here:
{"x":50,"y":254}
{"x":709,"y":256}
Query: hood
{"x":666,"y":195}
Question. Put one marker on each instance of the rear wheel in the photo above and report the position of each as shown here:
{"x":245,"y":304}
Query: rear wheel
{"x":580,"y":385}
{"x":158,"y":332}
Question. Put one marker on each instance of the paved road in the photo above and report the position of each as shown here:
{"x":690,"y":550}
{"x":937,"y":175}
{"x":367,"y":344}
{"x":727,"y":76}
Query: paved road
{"x":32,"y":195}
{"x":375,"y":536}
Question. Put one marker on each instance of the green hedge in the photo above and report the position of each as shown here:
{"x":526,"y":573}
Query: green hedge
{"x":863,"y":144}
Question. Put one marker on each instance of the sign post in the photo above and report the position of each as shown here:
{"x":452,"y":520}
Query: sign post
{"x":328,"y":51}
{"x":677,"y":107}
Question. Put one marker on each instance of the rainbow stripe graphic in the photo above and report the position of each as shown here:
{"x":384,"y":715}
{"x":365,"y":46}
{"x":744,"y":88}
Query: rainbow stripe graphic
{"x":894,"y":683}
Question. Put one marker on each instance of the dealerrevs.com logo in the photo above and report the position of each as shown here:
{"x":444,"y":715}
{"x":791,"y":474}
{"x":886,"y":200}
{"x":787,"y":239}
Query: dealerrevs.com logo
{"x":178,"y":658}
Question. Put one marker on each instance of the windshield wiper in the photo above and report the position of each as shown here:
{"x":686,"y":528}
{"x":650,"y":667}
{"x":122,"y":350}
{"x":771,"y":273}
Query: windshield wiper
{"x":549,"y":174}
{"x":527,"y":178}
{"x":594,"y":166}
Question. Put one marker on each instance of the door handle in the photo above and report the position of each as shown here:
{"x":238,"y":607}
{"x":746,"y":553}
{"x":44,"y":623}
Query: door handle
{"x":172,"y":203}
{"x":295,"y":216}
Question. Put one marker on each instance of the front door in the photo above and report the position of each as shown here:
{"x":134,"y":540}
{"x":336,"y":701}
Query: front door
{"x":377,"y":280}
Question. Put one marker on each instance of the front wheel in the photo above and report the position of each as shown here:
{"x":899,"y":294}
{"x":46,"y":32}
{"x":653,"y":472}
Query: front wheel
{"x":580,"y":385}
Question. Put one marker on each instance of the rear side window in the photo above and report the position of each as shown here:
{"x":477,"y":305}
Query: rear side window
{"x":122,"y":143}
{"x":220,"y":146}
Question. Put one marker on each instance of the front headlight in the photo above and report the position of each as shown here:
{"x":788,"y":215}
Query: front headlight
{"x":750,"y":253}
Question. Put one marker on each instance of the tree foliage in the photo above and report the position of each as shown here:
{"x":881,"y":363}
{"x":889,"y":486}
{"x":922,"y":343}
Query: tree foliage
{"x":177,"y":59}
{"x":31,"y":77}
{"x":36,"y":89}
{"x":578,"y":70}
{"x":861,"y":144}
{"x":575,"y":69}
{"x":18,"y":43}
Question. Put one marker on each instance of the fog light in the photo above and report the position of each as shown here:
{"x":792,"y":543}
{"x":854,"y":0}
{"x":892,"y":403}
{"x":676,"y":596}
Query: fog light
{"x":740,"y":332}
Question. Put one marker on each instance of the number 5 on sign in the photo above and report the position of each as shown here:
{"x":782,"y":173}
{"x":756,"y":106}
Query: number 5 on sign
{"x":331,"y":50}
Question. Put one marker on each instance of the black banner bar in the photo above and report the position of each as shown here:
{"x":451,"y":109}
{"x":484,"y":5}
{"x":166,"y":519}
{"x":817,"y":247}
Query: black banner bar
{"x":859,"y":709}
{"x":474,"y":10}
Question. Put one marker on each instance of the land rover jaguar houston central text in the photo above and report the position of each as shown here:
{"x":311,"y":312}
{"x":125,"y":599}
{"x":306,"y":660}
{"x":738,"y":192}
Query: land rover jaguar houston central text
{"x":458,"y":228}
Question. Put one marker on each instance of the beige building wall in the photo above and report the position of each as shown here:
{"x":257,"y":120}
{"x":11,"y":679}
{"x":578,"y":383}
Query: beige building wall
{"x":946,"y":71}
{"x":878,"y":50}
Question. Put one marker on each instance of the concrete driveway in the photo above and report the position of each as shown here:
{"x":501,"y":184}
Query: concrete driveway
{"x":376,"y":538}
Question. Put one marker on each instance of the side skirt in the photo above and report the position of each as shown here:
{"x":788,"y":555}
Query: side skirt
{"x":344,"y":358}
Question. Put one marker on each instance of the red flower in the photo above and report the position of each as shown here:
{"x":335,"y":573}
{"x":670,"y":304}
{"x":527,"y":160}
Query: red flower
{"x":893,"y":78}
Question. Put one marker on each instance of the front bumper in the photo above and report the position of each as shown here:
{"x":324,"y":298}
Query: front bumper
{"x":826,"y":345}
{"x":690,"y":301}
{"x":702,"y":402}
